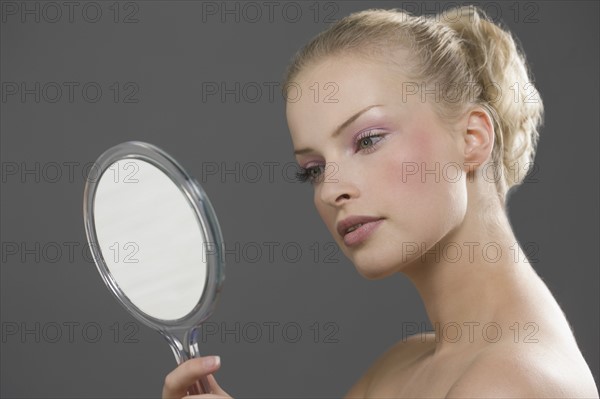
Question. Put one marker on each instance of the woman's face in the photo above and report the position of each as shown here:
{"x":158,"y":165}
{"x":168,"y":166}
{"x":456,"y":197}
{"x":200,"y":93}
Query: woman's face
{"x":392,"y":161}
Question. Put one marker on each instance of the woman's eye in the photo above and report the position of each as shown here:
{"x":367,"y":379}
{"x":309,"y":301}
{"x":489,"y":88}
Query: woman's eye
{"x":311,"y":174}
{"x":367,"y":142}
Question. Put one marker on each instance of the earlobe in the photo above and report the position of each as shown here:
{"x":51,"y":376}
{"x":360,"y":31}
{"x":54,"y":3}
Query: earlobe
{"x":479,"y":137}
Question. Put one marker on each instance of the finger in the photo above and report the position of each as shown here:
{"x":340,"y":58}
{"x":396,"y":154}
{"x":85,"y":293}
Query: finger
{"x":187,"y":373}
{"x":216,"y":388}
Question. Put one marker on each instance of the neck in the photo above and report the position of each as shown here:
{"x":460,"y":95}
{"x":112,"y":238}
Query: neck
{"x":471,"y":279}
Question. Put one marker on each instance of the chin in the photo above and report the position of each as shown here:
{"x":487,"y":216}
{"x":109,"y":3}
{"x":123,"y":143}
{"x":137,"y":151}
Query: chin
{"x":373,"y":262}
{"x":373,"y":270}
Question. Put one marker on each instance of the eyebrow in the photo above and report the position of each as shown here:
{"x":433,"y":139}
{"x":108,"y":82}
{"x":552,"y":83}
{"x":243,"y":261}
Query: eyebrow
{"x":341,"y":127}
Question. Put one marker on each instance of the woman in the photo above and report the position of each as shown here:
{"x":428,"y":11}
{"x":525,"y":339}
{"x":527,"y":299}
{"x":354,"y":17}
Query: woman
{"x":421,"y":128}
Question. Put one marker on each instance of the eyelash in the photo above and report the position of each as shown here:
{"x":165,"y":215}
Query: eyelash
{"x":306,"y":174}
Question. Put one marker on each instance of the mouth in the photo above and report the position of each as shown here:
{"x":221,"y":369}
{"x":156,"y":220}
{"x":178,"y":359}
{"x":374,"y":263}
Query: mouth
{"x":356,"y":229}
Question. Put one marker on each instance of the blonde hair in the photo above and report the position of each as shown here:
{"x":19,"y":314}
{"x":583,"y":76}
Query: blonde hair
{"x":459,"y":48}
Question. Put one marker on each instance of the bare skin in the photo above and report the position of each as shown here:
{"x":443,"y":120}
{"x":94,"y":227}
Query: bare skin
{"x":536,"y":363}
{"x":500,"y":332}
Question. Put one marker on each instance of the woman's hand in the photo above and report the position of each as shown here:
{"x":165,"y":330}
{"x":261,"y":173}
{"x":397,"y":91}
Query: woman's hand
{"x":187,"y":373}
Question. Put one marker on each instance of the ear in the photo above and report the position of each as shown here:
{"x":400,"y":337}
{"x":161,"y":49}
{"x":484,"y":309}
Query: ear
{"x":478,"y":137}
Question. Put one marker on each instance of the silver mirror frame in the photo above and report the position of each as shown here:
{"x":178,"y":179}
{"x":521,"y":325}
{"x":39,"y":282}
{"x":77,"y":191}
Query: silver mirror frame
{"x":182,"y":334}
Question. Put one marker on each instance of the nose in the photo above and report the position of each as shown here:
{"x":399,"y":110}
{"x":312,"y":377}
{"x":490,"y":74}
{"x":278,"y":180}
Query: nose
{"x":337,"y":187}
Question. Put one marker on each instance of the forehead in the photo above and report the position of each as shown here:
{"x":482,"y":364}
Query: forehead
{"x":325,"y":94}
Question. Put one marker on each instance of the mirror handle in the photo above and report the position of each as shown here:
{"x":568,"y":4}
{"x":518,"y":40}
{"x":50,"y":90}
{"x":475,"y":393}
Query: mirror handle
{"x":201,"y":386}
{"x":175,"y":339}
{"x":193,"y":336}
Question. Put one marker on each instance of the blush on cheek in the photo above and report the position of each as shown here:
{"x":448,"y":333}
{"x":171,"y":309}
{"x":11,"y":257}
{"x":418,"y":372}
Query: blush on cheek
{"x":410,"y":158}
{"x":403,"y":187}
{"x":417,"y":191}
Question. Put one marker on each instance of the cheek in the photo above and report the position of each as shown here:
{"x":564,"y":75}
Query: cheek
{"x":423,"y":189}
{"x":318,"y":205}
{"x":406,"y":169}
{"x":325,"y":212}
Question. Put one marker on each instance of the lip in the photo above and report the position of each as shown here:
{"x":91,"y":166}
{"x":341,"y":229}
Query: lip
{"x":369,"y":224}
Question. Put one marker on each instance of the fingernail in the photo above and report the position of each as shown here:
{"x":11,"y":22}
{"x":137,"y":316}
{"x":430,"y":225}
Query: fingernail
{"x":212,"y":361}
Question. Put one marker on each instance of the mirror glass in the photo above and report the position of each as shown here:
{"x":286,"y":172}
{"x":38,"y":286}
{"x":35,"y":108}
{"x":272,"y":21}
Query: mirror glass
{"x":150,"y":239}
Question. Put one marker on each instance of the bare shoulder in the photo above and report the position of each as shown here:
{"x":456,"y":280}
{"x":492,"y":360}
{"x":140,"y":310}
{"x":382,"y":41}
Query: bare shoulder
{"x":523,"y":374}
{"x":394,"y":358}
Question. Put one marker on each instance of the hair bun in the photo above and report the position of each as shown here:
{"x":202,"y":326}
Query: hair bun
{"x":499,"y":66}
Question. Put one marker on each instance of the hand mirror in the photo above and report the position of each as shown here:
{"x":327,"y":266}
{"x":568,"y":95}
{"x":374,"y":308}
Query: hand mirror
{"x":156,"y":242}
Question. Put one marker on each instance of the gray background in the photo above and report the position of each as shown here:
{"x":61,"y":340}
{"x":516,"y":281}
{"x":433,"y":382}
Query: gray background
{"x":168,"y":54}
